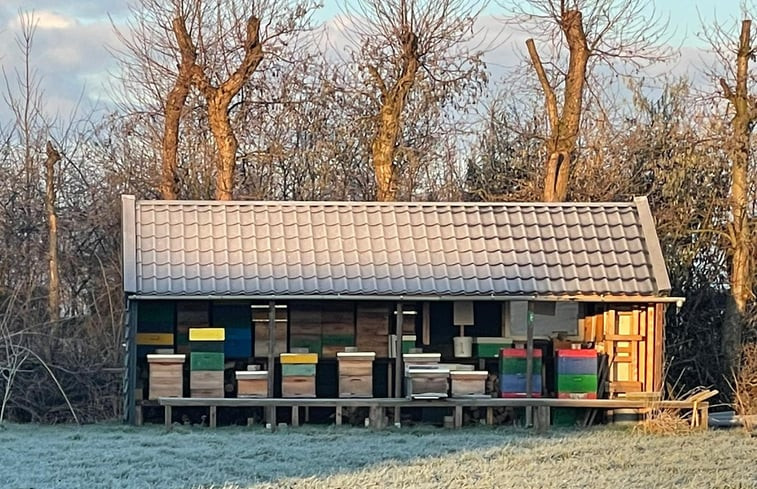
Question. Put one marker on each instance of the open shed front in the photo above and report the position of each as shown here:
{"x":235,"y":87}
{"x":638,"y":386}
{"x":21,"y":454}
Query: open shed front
{"x":627,"y":337}
{"x":464,"y":304}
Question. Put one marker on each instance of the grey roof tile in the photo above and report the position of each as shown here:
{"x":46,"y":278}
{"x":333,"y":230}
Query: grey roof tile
{"x":300,"y":248}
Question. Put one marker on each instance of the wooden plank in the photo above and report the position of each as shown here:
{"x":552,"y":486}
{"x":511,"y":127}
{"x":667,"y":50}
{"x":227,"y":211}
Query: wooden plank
{"x":271,"y":415}
{"x":213,"y":416}
{"x":659,"y":345}
{"x":426,"y":337}
{"x":167,"y":414}
{"x":398,"y":357}
{"x":642,"y":344}
{"x":649,"y":354}
{"x":458,"y":421}
{"x":295,"y":415}
{"x":338,"y":416}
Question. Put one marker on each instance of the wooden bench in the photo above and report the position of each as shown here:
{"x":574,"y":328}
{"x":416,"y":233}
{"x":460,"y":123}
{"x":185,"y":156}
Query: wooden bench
{"x":377,"y":406}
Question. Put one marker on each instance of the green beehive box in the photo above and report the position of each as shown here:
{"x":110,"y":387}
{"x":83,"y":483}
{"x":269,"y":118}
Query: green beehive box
{"x":576,"y":383}
{"x":298,"y":370}
{"x":339,"y":339}
{"x":517,"y":365}
{"x":206,"y":361}
{"x":311,"y":342}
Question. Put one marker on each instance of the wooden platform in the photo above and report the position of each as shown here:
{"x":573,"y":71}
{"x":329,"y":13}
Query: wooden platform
{"x":377,"y":406}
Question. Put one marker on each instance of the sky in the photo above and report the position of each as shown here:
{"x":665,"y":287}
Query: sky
{"x":72,"y":62}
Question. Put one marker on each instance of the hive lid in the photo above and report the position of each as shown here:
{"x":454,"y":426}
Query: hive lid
{"x":207,"y":334}
{"x":251,"y":374}
{"x":468,"y":373}
{"x":356,"y":355}
{"x":421,"y":357}
{"x":166,"y":358}
{"x":427,"y":371}
{"x":481,"y":340}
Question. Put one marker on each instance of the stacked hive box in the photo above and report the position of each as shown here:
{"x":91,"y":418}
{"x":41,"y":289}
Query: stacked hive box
{"x":298,"y":374}
{"x":468,"y":383}
{"x":252,"y":383}
{"x":489,"y":347}
{"x":356,"y":374}
{"x":235,"y":320}
{"x":206,"y":362}
{"x":305,"y":326}
{"x":155,"y":327}
{"x":260,"y":320}
{"x":424,"y":377}
{"x":337,"y":328}
{"x":166,"y":375}
{"x":576,"y":374}
{"x":512,"y":373}
{"x":373,"y":328}
{"x":189,"y":314}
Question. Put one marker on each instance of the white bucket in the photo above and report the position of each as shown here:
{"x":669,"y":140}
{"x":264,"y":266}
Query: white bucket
{"x":463,"y":346}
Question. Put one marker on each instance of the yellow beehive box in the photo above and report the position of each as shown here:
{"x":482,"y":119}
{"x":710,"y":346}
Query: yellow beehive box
{"x":207,"y":334}
{"x":155,"y":339}
{"x":299,"y":358}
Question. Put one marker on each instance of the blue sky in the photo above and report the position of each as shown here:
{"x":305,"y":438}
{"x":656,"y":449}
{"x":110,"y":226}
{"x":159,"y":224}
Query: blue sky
{"x":72,"y":60}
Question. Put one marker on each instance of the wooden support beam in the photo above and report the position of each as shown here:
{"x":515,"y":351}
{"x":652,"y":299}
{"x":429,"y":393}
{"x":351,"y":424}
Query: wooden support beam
{"x":529,"y":360}
{"x":271,"y":414}
{"x":338,"y":416}
{"x":213,"y":415}
{"x":490,"y":416}
{"x":295,"y":416}
{"x":659,"y":346}
{"x":167,"y":414}
{"x":398,"y":374}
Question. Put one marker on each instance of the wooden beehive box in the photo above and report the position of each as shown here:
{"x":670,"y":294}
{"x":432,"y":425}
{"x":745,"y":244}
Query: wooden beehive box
{"x":166,"y":376}
{"x":468,"y":383}
{"x":206,"y":383}
{"x":252,"y":383}
{"x":426,"y":382}
{"x":356,"y":374}
{"x":372,"y":328}
{"x":298,"y":386}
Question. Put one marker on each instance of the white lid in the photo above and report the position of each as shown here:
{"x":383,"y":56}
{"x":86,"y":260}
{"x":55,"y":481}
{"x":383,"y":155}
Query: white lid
{"x":428,"y":371}
{"x":251,"y":374}
{"x":165,"y":357}
{"x":356,"y":354}
{"x":467,"y":373}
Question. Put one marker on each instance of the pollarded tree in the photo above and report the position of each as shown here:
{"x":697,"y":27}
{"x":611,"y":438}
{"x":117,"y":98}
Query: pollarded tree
{"x":411,"y":57}
{"x":616,"y":33}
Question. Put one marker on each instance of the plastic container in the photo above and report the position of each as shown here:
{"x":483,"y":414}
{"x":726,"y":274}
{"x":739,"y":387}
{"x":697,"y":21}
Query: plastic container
{"x":463,"y":346}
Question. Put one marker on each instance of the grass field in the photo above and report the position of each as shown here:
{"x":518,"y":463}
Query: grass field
{"x":115,"y":456}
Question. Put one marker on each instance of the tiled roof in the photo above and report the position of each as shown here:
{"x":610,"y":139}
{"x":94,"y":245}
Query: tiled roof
{"x":389,"y":249}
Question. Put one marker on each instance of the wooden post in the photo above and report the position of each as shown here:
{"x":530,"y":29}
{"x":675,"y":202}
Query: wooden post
{"x":490,"y":416}
{"x":398,"y":373}
{"x":458,"y":420}
{"x":271,"y":413}
{"x":167,"y":416}
{"x":339,"y":412}
{"x":295,"y":416}
{"x":529,"y":360}
{"x":213,"y":416}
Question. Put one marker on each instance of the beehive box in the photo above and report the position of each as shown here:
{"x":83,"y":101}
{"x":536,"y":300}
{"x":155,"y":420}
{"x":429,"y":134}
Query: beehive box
{"x":512,"y":373}
{"x":576,"y":374}
{"x":426,"y":381}
{"x":372,"y":328}
{"x":468,"y":383}
{"x":421,"y":358}
{"x":166,"y":376}
{"x":356,"y":374}
{"x":298,"y":386}
{"x":206,"y":383}
{"x":252,"y":383}
{"x":490,"y":346}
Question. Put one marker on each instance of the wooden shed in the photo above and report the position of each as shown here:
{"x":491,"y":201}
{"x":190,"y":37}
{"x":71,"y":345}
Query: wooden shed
{"x":323,"y":277}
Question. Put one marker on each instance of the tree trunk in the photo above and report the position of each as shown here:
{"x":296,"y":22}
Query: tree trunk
{"x":53,"y":293}
{"x":226,"y":144}
{"x":739,"y":230}
{"x":393,"y":101}
{"x":172,"y":111}
{"x":564,"y":127}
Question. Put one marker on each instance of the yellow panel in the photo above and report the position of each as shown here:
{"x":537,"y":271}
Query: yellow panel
{"x":207,"y":334}
{"x":155,"y":339}
{"x":299,"y":358}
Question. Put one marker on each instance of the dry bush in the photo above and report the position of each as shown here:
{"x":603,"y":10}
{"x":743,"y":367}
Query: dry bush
{"x":745,"y":387}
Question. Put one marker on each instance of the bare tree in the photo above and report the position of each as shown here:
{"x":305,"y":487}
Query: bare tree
{"x":740,"y":238}
{"x":411,"y":51}
{"x":53,"y":293}
{"x":611,"y":32}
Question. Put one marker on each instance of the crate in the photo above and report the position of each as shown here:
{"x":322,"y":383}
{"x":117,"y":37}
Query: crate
{"x":426,"y":381}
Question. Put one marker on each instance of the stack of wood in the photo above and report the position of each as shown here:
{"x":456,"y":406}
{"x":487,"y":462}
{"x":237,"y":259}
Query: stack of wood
{"x":373,"y":328}
{"x":298,"y":374}
{"x":206,"y":362}
{"x":424,"y":377}
{"x":166,"y":375}
{"x":252,"y":383}
{"x":356,"y":374}
{"x":260,"y":322}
